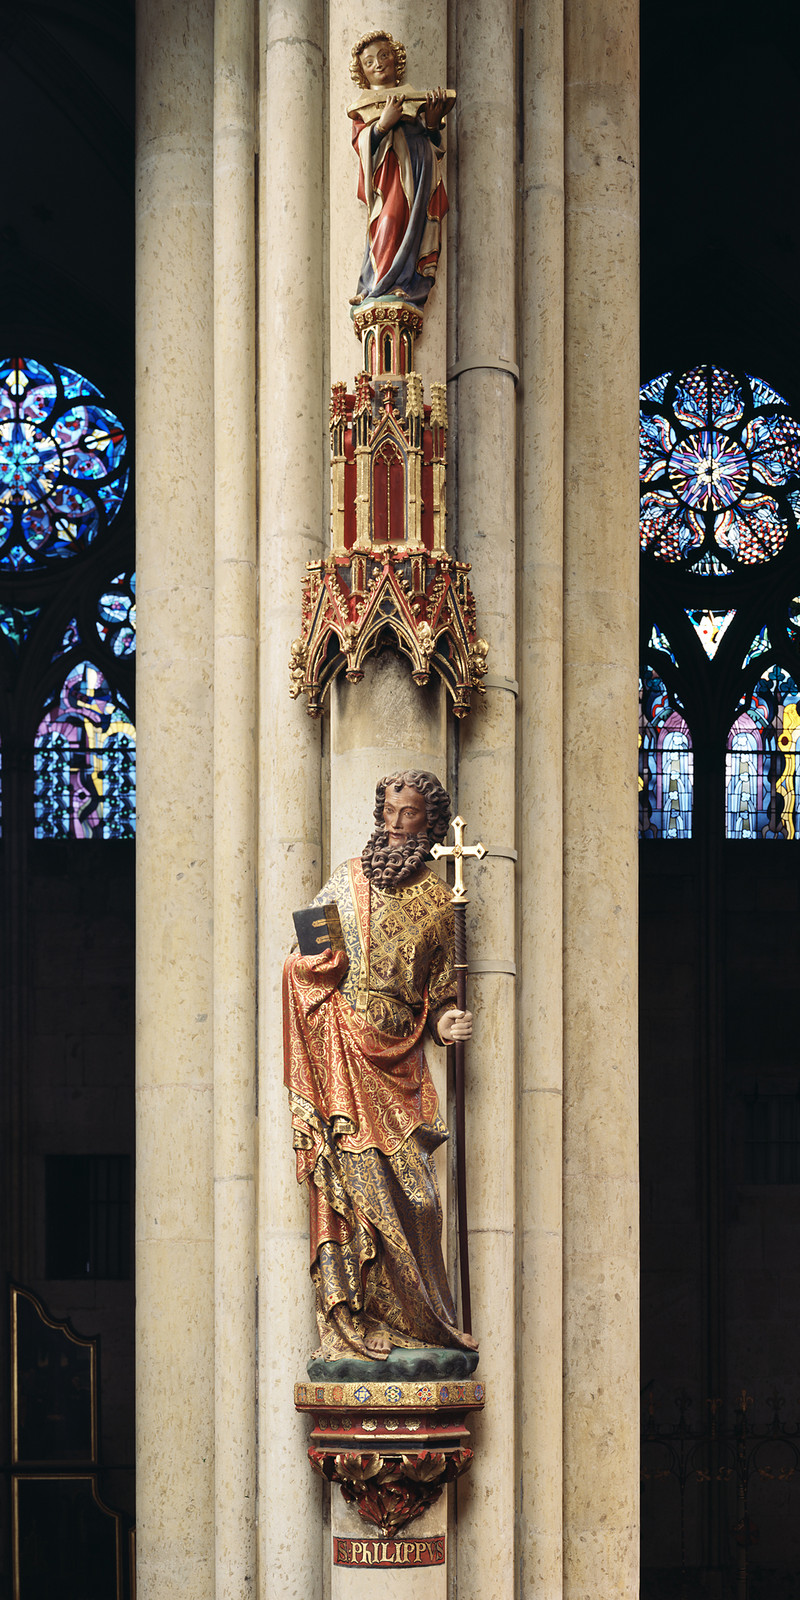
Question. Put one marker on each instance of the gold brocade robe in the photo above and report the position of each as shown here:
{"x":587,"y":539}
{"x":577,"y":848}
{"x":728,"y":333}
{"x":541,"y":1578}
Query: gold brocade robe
{"x":365,"y":1113}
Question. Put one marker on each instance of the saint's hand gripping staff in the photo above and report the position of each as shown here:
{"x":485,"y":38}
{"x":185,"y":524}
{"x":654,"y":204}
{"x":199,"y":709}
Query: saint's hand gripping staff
{"x":458,"y":851}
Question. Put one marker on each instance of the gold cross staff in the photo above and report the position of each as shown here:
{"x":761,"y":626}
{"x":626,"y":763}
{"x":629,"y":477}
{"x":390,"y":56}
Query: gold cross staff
{"x":458,"y":851}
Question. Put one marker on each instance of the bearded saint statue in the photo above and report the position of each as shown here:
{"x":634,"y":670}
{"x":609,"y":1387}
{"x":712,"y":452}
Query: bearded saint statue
{"x":365,"y":1114}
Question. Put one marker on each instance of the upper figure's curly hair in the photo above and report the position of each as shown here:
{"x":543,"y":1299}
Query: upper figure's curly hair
{"x":437,"y":800}
{"x":357,"y":72}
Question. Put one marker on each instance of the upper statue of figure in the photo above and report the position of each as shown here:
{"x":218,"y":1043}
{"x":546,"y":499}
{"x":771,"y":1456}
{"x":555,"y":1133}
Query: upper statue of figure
{"x":397,"y":134}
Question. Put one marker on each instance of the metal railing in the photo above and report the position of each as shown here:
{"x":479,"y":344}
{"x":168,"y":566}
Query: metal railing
{"x":724,"y":1464}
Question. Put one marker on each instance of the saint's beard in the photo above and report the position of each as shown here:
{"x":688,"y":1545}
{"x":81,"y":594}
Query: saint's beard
{"x":389,"y":865}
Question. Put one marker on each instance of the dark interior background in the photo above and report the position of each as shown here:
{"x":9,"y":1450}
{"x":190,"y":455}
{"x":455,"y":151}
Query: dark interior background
{"x":66,"y":907}
{"x":720,"y":283}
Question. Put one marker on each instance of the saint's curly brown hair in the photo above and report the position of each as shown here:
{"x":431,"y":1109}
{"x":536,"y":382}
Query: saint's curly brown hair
{"x":357,"y":72}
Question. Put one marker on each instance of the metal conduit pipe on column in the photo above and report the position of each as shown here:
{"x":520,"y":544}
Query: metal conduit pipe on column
{"x":483,"y":399}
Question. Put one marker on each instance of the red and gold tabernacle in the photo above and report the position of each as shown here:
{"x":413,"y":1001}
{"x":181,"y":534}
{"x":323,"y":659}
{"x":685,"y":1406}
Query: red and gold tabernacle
{"x":388,"y":578}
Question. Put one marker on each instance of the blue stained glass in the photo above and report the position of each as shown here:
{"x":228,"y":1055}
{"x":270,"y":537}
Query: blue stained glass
{"x":666,"y":763}
{"x":710,"y":567}
{"x":76,"y":386}
{"x":659,"y":641}
{"x":656,"y":388}
{"x":752,"y":531}
{"x":762,"y":770}
{"x":758,"y":648}
{"x":63,"y":471}
{"x":70,"y":638}
{"x":716,"y":490}
{"x":656,"y":440}
{"x":669,"y":528}
{"x":708,"y":470}
{"x":710,"y":627}
{"x":708,"y":395}
{"x":16,"y":624}
{"x":764,"y":394}
{"x":691,"y":398}
{"x":85,"y":762}
{"x":774,"y":443}
{"x":727,"y":401}
{"x":117,"y":615}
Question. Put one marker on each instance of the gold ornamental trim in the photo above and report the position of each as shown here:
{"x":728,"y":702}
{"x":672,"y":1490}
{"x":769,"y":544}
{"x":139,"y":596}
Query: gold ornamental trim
{"x":390,"y":313}
{"x":421,"y":1395}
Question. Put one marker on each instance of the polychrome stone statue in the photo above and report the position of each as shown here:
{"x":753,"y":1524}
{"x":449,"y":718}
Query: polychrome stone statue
{"x":364,"y":1110}
{"x":397,"y":135}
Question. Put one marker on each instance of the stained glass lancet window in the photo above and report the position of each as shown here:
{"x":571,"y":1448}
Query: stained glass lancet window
{"x":85,"y":761}
{"x":63,"y":466}
{"x":116,"y":622}
{"x":666,"y":764}
{"x":761,"y":778}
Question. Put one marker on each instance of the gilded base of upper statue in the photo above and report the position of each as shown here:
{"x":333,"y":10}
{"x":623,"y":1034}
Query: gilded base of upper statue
{"x":391,"y":1447}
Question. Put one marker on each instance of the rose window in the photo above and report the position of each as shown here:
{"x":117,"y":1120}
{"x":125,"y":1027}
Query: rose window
{"x":719,"y":468}
{"x":63,"y":467}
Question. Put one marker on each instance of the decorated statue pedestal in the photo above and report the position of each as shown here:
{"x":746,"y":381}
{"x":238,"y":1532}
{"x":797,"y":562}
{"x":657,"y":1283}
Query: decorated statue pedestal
{"x":392,"y":1443}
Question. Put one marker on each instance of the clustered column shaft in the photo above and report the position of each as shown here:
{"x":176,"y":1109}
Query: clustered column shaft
{"x":292,"y":519}
{"x":175,"y":533}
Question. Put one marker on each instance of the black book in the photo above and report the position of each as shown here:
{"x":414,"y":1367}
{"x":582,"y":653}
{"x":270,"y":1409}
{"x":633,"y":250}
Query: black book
{"x":318,"y":928}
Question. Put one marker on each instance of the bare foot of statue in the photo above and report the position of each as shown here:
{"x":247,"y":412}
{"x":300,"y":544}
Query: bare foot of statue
{"x":378,"y":1344}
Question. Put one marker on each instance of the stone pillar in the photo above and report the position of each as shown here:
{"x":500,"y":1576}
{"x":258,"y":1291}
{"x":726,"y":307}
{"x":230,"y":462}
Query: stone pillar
{"x":601,"y":1385}
{"x":540,"y":812}
{"x":234,"y":801}
{"x":292,"y":413}
{"x":484,"y":418}
{"x":175,"y":524}
{"x":386,"y":722}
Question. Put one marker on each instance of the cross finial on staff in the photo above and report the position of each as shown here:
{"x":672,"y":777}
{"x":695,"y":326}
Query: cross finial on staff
{"x":458,"y":851}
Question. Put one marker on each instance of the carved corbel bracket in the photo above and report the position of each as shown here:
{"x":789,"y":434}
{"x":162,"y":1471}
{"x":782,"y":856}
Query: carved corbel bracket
{"x":391,"y":1447}
{"x":390,"y":1491}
